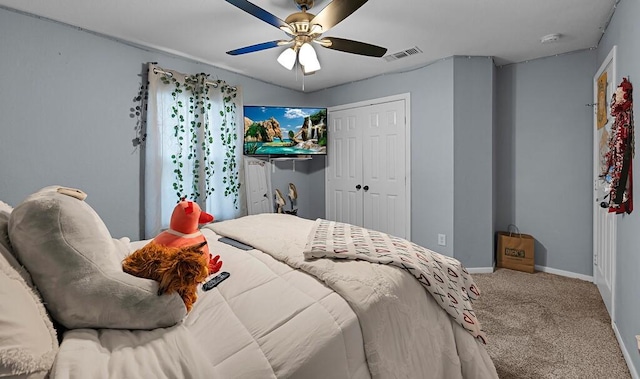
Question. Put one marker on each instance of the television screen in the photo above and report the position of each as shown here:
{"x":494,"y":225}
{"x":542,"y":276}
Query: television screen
{"x":282,"y":131}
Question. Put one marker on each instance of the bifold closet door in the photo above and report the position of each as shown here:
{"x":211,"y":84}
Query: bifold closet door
{"x":344,"y":167}
{"x":366,"y":172}
{"x":384,"y":168}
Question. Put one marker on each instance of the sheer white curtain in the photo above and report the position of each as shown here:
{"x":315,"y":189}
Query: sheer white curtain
{"x":193,"y":147}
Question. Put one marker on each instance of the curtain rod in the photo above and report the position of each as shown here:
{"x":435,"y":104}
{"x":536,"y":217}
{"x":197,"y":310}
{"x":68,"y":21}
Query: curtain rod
{"x":207,"y":82}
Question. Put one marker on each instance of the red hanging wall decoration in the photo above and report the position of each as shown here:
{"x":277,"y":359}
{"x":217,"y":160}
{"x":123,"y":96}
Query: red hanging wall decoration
{"x":619,"y":157}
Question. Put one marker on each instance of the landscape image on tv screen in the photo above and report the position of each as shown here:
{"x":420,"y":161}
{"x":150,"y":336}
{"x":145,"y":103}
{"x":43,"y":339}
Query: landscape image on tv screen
{"x":272,"y":130}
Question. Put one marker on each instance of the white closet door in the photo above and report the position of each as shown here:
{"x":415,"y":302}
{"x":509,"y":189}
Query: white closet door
{"x":344,"y":167}
{"x":384,"y":168}
{"x":258,"y":184}
{"x":367,"y":166}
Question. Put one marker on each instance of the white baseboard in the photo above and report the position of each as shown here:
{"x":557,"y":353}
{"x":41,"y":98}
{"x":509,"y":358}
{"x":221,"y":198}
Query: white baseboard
{"x":555,"y":271}
{"x":625,"y":352}
{"x":568,"y":274}
{"x":480,"y":270}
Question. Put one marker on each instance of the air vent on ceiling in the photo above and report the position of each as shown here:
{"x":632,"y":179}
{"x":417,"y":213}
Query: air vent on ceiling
{"x":403,"y":54}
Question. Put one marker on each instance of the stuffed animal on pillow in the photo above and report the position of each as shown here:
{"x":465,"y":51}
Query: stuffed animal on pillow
{"x":183,"y":231}
{"x":177,"y":269}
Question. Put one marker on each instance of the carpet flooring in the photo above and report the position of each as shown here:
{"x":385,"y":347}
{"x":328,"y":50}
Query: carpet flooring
{"x":547,"y":326}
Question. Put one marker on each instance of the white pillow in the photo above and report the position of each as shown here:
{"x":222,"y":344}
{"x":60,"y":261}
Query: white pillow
{"x":7,"y":253}
{"x":77,"y":266}
{"x":28,"y":341}
{"x":5,"y":212}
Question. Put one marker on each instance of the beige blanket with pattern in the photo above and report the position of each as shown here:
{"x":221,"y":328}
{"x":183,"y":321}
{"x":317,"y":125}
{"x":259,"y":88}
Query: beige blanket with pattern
{"x":443,"y":277}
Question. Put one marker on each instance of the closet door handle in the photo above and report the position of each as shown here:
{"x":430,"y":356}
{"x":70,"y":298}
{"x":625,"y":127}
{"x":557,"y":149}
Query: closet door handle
{"x":358,"y":186}
{"x":366,"y":188}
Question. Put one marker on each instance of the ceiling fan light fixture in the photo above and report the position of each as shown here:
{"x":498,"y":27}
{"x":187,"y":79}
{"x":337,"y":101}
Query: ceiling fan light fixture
{"x":310,"y":69}
{"x":308,"y":58}
{"x":307,"y":54}
{"x":303,"y":28}
{"x":287,"y":58}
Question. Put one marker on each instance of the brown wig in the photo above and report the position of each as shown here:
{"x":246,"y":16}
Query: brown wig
{"x":177,"y":269}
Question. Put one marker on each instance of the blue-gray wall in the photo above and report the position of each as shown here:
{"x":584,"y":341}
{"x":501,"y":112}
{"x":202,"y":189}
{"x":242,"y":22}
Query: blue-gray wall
{"x":623,"y":31}
{"x":308,"y":177}
{"x":473,"y":161}
{"x":64,"y":99}
{"x":544,"y":154}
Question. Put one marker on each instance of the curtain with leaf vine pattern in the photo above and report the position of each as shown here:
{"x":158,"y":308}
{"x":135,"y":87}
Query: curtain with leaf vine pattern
{"x":193,"y":147}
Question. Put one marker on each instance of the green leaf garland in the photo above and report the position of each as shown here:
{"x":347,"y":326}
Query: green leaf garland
{"x":199,"y":137}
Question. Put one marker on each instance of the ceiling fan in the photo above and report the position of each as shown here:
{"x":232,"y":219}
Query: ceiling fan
{"x":304,"y":28}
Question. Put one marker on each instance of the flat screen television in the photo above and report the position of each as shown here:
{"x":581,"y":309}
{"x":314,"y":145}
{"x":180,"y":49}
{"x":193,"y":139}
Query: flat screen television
{"x":284,"y":131}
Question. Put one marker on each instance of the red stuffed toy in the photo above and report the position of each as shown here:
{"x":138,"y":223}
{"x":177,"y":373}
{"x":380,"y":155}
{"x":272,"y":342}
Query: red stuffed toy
{"x":183,"y":231}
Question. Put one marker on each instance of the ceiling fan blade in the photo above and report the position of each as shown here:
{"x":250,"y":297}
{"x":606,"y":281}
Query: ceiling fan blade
{"x":258,"y":12}
{"x":354,"y":47}
{"x":336,"y":11}
{"x":254,"y":48}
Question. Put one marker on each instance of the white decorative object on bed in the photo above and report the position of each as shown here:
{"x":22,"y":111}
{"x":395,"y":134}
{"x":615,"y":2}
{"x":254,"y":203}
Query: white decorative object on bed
{"x":5,"y":213}
{"x":278,"y":315}
{"x":77,"y":267}
{"x":28,"y":342}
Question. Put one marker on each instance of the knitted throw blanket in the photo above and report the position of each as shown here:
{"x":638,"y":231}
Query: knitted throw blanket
{"x":443,"y":277}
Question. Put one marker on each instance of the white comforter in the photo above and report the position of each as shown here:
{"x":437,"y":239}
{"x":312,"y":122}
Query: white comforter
{"x":267,"y":320}
{"x":271,"y":320}
{"x":406,"y":334}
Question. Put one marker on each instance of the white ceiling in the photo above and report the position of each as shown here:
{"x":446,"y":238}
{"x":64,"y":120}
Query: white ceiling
{"x":203,"y":30}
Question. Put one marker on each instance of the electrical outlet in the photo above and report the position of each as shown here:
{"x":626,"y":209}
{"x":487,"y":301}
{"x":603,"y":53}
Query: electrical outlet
{"x":442,"y":240}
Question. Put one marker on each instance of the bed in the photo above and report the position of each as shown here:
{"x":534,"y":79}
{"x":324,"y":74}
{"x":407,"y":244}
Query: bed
{"x":278,"y":315}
